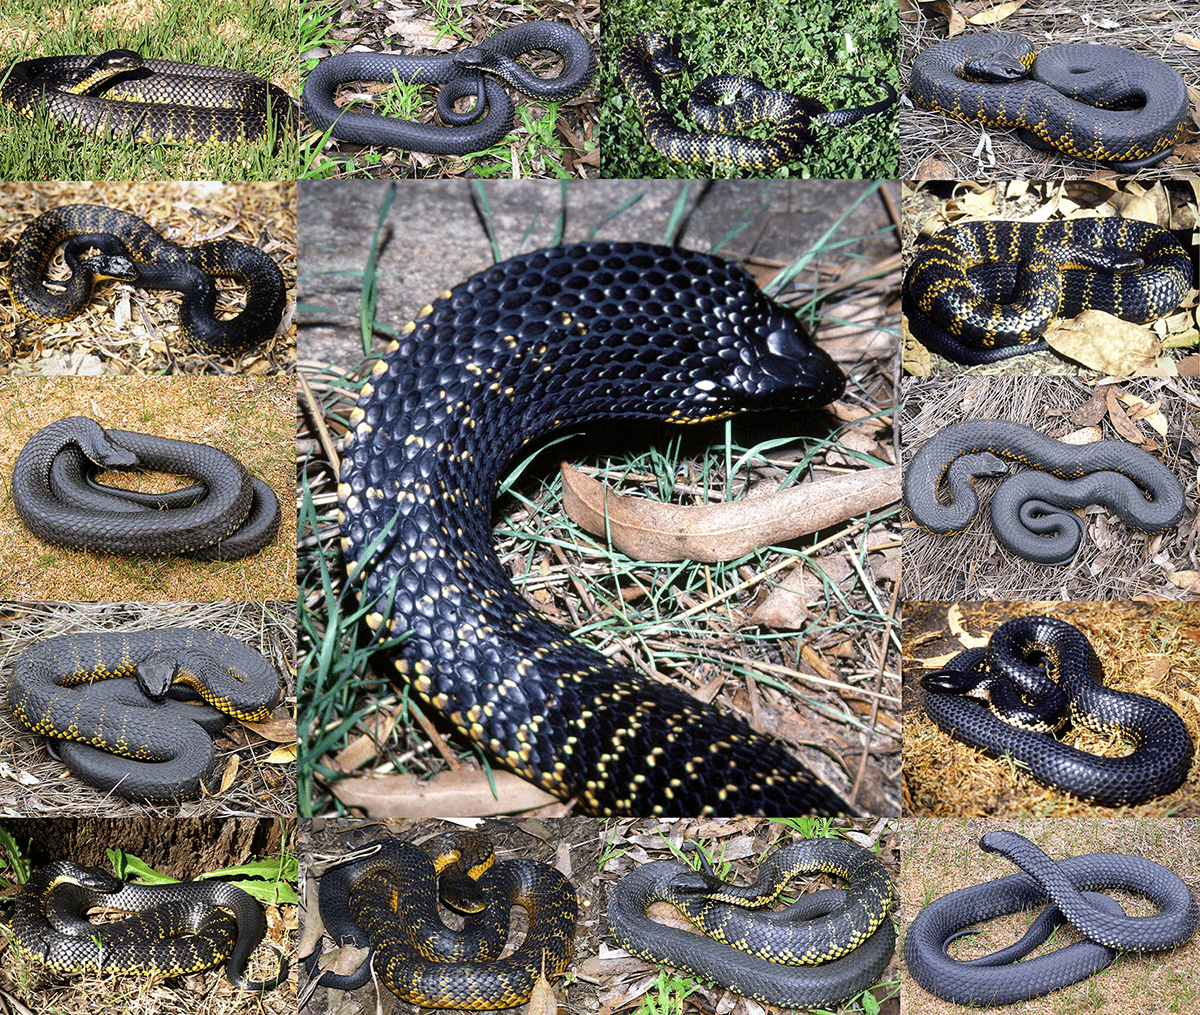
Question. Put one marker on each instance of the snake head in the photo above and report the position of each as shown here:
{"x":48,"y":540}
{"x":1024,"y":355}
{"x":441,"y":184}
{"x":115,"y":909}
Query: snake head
{"x":784,"y":368}
{"x":156,"y":673}
{"x":68,"y":872}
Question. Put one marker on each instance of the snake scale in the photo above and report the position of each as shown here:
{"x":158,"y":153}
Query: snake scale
{"x":979,"y":292}
{"x":133,"y":252}
{"x":1032,"y":513}
{"x":226,"y":515}
{"x":545,"y":342}
{"x":384,"y":898}
{"x":1035,"y":670}
{"x":648,"y":57}
{"x":461,"y":74}
{"x":1087,"y":101}
{"x":1069,"y":888}
{"x":827,"y":947}
{"x":106,"y":702}
{"x":121,"y":94}
{"x":179,"y":928}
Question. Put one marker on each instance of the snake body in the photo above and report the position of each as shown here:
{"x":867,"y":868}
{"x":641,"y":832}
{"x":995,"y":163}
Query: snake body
{"x":1067,"y":886}
{"x":386,"y":900}
{"x":649,"y":57}
{"x":1087,"y":101}
{"x":984,"y":291}
{"x":1026,"y":703}
{"x":226,"y":515}
{"x":121,"y":94}
{"x":1032,"y":511}
{"x":134,"y":252}
{"x":180,"y":928}
{"x":102,"y":700}
{"x":845,"y":936}
{"x":461,"y":74}
{"x":540,"y":343}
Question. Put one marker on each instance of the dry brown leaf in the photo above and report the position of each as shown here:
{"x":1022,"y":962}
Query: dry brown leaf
{"x":461,"y":794}
{"x":785,"y":607}
{"x":1106,"y":343}
{"x":994,"y":15}
{"x":652,"y":531}
{"x":1121,"y":421}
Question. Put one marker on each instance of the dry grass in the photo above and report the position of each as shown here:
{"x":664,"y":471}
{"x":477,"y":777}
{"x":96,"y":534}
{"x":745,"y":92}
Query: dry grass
{"x":1116,"y":562}
{"x":933,"y":146}
{"x":37,"y":784}
{"x":941,"y":856}
{"x":1146,"y":649}
{"x":250,"y":418}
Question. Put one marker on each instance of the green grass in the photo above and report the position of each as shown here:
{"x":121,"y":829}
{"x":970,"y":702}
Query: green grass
{"x":798,"y":48}
{"x":259,"y":37}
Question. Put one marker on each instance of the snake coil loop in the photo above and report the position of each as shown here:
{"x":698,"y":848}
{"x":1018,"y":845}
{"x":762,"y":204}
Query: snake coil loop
{"x":845,"y":935}
{"x":106,"y":703}
{"x":1069,"y":889}
{"x":1033,"y":669}
{"x":1087,"y":101}
{"x":180,"y":928}
{"x":460,"y":74}
{"x":384,"y":898}
{"x":1031,"y":512}
{"x":649,"y":57}
{"x":134,"y":252}
{"x":121,"y":93}
{"x":226,"y":515}
{"x":979,"y":292}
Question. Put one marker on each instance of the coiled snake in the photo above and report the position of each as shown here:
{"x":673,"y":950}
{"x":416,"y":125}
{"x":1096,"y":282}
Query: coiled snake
{"x":102,"y":700}
{"x":1069,"y":888}
{"x":1032,"y":512}
{"x":984,"y":291}
{"x":545,"y":342}
{"x":1035,"y":669}
{"x":647,"y":58}
{"x":130,"y":250}
{"x":122,"y":94}
{"x":461,"y":74}
{"x":385,"y":899}
{"x":1087,"y":101}
{"x":227,"y":514}
{"x":180,"y":928}
{"x":844,"y":935}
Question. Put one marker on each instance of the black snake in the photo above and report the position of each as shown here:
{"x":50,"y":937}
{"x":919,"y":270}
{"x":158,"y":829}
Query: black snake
{"x":545,"y":342}
{"x":649,"y":57}
{"x":102,"y":701}
{"x":227,"y":514}
{"x":122,"y":94}
{"x":180,"y":928}
{"x":825,"y":948}
{"x":461,"y":74}
{"x":978,"y":292}
{"x":1034,"y":670}
{"x":133,"y":252}
{"x":1087,"y":101}
{"x":384,"y":898}
{"x":1069,"y":888}
{"x":1032,"y":513}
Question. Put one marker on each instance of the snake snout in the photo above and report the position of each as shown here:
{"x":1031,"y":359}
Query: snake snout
{"x":791,"y":361}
